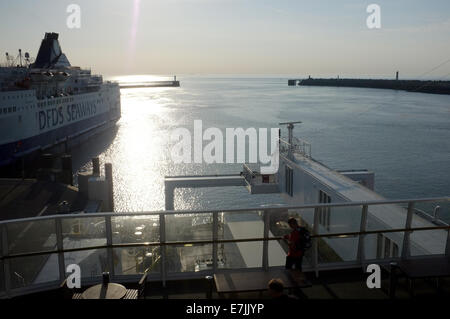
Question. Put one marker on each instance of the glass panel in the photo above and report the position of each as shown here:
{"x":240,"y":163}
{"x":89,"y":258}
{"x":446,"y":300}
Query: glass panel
{"x":26,"y":271}
{"x":83,"y":232}
{"x":34,"y":236}
{"x":336,"y":220}
{"x":389,"y":216}
{"x":135,"y":229}
{"x":92,"y":262}
{"x":383,"y":217}
{"x":1,"y":242}
{"x":241,"y":225}
{"x":278,"y":227}
{"x":135,"y":260}
{"x":189,"y":258}
{"x":305,"y":217}
{"x":240,"y":255}
{"x":439,"y":209}
{"x":383,"y":245}
{"x":340,"y":219}
{"x":2,"y":278}
{"x":337,"y":249}
{"x":277,"y":252}
{"x":189,"y":227}
{"x":426,"y":242}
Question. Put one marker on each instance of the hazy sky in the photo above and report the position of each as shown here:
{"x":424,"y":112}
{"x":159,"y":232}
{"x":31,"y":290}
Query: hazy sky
{"x":321,"y":38}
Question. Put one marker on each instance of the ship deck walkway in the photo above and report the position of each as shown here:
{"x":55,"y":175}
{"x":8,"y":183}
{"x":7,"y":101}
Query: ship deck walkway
{"x":254,"y":281}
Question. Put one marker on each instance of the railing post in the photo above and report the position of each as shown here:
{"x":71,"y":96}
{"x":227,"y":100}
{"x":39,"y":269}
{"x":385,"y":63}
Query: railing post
{"x":162,"y":240}
{"x":447,"y":246}
{"x":60,"y":247}
{"x":406,"y":250}
{"x":6,"y":264}
{"x":361,"y":247}
{"x":109,"y":243}
{"x":265,"y":255}
{"x":215,"y":232}
{"x":169,"y":193}
{"x":315,"y":242}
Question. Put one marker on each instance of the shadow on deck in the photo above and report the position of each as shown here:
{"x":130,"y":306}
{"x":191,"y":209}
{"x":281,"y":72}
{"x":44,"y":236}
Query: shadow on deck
{"x":331,"y":285}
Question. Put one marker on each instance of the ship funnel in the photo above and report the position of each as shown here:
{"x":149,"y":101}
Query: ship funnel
{"x":50,"y":54}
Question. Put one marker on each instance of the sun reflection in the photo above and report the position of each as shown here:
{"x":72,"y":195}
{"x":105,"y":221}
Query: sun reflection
{"x":140,"y":151}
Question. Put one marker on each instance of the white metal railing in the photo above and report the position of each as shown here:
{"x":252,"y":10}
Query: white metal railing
{"x":164,"y":240}
{"x":298,"y":146}
{"x":254,"y":177}
{"x":248,"y":174}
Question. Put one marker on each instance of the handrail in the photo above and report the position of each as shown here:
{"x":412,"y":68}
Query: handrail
{"x":433,"y":219}
{"x":298,"y":145}
{"x":211,"y":211}
{"x":219,"y":241}
{"x":6,"y":257}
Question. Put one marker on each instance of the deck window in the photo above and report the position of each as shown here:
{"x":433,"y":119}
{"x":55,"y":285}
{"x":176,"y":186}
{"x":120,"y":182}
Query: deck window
{"x":289,"y":180}
{"x":386,"y":248}
{"x":325,"y":212}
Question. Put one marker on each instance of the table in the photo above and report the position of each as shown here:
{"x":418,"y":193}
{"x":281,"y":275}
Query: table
{"x":423,"y":268}
{"x":250,"y":281}
{"x":100,"y":291}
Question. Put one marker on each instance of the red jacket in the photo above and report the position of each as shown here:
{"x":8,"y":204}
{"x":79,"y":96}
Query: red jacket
{"x":294,"y":237}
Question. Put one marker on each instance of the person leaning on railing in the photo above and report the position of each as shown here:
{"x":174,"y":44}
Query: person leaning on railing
{"x":295,"y":253}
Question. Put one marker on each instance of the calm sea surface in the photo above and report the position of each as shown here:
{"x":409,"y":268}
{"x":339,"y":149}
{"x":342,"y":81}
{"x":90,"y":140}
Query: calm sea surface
{"x":403,"y":137}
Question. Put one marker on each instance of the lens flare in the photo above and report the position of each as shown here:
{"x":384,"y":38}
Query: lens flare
{"x":134,"y":27}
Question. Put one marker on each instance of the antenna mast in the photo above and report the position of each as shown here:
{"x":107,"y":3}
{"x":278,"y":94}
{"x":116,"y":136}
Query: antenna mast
{"x":290,"y":127}
{"x":20,"y":57}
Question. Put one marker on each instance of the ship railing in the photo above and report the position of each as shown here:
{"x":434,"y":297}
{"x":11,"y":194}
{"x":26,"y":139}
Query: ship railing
{"x":253,"y":176}
{"x":36,"y":251}
{"x":434,"y":218}
{"x":298,"y":146}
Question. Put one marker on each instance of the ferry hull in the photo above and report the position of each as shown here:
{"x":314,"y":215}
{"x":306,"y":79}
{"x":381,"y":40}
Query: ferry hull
{"x":69,"y":135}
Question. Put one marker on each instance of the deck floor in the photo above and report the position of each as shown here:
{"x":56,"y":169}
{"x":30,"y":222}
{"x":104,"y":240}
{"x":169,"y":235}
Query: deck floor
{"x":331,"y":285}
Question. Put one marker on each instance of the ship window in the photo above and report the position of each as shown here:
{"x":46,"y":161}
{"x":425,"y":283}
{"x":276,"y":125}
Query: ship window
{"x":379,"y":245}
{"x":324,"y":212}
{"x":289,"y":180}
{"x":386,"y":248}
{"x":394,"y":250}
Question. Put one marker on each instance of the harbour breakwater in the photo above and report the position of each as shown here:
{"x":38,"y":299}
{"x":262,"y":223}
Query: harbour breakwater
{"x":434,"y":87}
{"x":150,"y":84}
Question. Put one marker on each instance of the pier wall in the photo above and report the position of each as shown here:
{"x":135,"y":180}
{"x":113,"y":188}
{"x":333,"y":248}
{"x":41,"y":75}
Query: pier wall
{"x":434,"y":87}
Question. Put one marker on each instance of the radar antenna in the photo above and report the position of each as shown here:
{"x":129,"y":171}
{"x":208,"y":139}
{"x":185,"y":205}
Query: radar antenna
{"x":290,"y":127}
